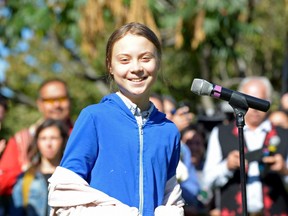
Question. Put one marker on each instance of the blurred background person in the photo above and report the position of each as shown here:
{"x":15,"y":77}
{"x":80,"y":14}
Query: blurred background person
{"x":30,"y":193}
{"x":279,"y":118}
{"x":187,"y":177}
{"x":157,"y":100}
{"x":284,"y":102}
{"x":227,"y":110}
{"x":266,"y":193}
{"x":179,"y":113}
{"x":195,"y":139}
{"x":169,"y":105}
{"x":53,"y":102}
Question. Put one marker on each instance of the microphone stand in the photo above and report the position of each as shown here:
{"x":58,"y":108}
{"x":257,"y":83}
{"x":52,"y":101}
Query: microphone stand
{"x":240,"y":107}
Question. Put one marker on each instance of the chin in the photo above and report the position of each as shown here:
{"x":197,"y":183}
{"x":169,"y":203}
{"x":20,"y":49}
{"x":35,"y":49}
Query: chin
{"x":58,"y":117}
{"x":137,"y":93}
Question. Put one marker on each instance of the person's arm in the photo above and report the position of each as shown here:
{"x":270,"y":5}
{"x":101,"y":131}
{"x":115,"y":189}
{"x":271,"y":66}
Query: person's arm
{"x":215,"y":171}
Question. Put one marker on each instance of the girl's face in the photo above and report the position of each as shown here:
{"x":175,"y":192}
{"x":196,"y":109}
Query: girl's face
{"x":134,"y":66}
{"x":50,"y":143}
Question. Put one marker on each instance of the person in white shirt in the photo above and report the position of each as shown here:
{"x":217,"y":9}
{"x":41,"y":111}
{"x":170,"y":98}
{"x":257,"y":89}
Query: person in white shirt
{"x":265,"y":176}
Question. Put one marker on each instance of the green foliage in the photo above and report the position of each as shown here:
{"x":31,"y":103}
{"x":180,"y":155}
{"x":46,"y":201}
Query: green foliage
{"x":20,"y":116}
{"x":240,"y":40}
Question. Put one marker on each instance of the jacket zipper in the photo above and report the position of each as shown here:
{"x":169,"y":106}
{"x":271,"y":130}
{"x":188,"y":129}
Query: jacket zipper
{"x":141,"y":192}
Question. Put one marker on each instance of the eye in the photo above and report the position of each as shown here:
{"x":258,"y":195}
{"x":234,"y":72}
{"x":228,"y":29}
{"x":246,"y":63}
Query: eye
{"x":123,"y":59}
{"x":146,"y":58}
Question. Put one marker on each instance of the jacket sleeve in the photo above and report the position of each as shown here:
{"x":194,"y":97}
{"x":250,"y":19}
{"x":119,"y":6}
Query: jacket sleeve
{"x":173,"y":201}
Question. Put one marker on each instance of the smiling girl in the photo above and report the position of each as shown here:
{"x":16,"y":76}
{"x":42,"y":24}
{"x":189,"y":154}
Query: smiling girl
{"x":122,"y":150}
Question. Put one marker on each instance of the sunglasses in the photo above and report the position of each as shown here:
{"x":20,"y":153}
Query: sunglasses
{"x":54,"y":100}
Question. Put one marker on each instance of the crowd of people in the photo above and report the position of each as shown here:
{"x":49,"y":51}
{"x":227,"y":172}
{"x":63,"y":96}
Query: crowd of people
{"x":140,"y":153}
{"x":53,"y":103}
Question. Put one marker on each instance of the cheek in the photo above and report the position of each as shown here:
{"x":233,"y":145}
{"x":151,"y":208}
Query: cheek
{"x":46,"y":108}
{"x":152,"y":68}
{"x":57,"y":146}
{"x":194,"y":148}
{"x":41,"y":106}
{"x":119,"y":69}
{"x":66,"y":105}
{"x":42,"y":146}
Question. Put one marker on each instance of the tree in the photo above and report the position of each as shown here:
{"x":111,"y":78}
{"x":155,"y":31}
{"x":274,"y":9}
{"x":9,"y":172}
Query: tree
{"x":220,"y":41}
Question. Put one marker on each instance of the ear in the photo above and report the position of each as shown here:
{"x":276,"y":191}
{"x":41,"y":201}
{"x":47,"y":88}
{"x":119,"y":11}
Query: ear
{"x":39,"y":104}
{"x":110,"y":71}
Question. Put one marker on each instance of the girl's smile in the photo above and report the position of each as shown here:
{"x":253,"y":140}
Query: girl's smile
{"x":134,"y":68}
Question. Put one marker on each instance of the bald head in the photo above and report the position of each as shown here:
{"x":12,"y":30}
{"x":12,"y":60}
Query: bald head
{"x":259,"y":87}
{"x":253,"y":83}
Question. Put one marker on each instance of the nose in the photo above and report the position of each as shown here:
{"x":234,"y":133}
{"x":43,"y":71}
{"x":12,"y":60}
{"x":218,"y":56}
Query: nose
{"x":56,"y":103}
{"x":136,"y":66}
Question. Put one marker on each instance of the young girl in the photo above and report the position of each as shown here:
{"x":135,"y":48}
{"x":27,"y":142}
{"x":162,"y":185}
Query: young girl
{"x":123,"y":150}
{"x":30,"y":194}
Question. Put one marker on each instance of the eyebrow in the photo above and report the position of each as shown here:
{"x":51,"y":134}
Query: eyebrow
{"x":141,"y":54}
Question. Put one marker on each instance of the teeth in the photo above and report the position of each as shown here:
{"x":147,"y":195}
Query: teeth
{"x":137,"y":80}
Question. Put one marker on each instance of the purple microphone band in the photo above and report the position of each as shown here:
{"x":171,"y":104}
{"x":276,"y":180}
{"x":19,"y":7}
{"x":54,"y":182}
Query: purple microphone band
{"x":217,"y":91}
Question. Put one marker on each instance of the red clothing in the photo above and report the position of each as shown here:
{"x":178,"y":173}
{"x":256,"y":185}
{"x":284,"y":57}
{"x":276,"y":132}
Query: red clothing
{"x":10,"y":167}
{"x":15,"y":159}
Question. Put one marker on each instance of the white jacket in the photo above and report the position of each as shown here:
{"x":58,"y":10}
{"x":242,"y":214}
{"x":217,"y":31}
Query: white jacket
{"x":69,"y":194}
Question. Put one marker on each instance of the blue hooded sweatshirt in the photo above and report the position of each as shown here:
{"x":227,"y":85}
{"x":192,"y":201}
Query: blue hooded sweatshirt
{"x":127,"y":161}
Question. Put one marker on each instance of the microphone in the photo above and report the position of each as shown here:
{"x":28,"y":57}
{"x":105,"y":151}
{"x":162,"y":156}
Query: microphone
{"x":202,"y":87}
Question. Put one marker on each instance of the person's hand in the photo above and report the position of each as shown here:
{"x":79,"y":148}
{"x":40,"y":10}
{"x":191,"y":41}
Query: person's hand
{"x":277,"y":163}
{"x":182,"y":117}
{"x":233,"y":160}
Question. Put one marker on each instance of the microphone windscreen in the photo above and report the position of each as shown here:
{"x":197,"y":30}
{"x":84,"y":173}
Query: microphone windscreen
{"x":201,"y":87}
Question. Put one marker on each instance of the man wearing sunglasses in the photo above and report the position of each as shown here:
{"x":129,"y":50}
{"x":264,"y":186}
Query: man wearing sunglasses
{"x":53,"y":102}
